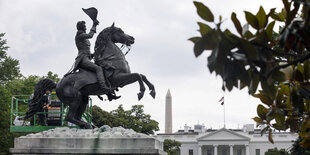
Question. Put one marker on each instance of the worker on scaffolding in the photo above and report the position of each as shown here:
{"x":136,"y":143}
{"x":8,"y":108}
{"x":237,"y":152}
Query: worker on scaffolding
{"x":42,"y":109}
{"x":40,"y":103}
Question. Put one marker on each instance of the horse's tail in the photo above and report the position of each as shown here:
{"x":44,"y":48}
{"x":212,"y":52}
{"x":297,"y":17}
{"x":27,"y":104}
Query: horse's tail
{"x":39,"y":90}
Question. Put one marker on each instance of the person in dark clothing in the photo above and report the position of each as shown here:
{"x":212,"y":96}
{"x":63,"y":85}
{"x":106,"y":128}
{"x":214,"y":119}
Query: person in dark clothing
{"x":43,"y":105}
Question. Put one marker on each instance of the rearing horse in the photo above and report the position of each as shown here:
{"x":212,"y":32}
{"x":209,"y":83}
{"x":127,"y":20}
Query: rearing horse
{"x":112,"y":59}
{"x":74,"y":89}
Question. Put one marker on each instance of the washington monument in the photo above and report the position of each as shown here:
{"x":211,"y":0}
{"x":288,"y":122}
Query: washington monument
{"x":168,"y":117}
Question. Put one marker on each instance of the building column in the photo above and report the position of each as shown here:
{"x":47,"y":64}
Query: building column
{"x":215,"y":149}
{"x":247,"y":150}
{"x":199,"y":150}
{"x":231,"y":151}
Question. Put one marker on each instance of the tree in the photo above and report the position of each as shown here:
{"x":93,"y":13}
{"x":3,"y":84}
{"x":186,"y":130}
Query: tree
{"x":297,"y":149}
{"x":275,"y":151}
{"x":101,"y":117}
{"x":134,"y":118}
{"x":9,"y":70}
{"x":9,"y":67}
{"x":52,"y":76}
{"x":17,"y":86}
{"x":172,"y":147}
{"x":257,"y":55}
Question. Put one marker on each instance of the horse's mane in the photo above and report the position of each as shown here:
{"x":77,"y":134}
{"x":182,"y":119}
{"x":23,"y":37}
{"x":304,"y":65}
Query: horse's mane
{"x":102,"y":40}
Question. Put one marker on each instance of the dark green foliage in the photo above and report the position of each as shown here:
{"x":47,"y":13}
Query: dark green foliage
{"x":275,"y":151}
{"x":172,"y":147}
{"x":18,"y":86}
{"x":52,"y":76}
{"x":135,"y":119}
{"x":297,"y":149}
{"x":101,"y":117}
{"x":258,"y":56}
{"x":12,"y":83}
{"x":9,"y":67}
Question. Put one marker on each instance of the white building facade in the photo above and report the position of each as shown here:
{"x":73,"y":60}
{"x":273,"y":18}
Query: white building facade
{"x":224,"y":141}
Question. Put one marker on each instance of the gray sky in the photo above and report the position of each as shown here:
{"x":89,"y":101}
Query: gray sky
{"x":41,"y":36}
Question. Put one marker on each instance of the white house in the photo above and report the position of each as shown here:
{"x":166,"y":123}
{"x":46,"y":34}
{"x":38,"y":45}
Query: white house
{"x":246,"y":141}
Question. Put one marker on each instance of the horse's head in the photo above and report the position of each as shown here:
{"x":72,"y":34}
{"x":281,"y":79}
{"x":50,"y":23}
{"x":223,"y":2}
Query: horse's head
{"x":114,"y":34}
{"x":118,"y":36}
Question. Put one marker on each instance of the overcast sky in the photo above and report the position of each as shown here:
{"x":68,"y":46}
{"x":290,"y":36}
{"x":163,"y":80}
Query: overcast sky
{"x":41,"y":36}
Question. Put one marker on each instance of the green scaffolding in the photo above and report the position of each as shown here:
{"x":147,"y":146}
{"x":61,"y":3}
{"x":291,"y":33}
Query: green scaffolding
{"x":19,"y":106}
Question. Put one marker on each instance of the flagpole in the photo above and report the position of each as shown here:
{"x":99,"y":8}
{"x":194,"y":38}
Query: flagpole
{"x":224,"y":114}
{"x":222,"y":100}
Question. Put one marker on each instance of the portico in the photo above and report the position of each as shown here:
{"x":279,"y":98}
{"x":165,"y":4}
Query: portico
{"x":223,"y":142}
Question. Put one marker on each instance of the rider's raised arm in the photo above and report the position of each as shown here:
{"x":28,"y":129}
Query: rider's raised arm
{"x":88,"y":35}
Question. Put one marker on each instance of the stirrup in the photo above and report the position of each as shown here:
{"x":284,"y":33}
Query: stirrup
{"x":112,"y":97}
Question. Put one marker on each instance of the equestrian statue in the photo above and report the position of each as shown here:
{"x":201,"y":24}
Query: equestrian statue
{"x":109,"y":72}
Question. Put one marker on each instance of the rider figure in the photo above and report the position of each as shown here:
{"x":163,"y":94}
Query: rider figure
{"x":84,"y":56}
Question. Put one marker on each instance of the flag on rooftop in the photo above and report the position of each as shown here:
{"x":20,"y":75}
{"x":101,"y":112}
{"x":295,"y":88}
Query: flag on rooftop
{"x":222,"y":100}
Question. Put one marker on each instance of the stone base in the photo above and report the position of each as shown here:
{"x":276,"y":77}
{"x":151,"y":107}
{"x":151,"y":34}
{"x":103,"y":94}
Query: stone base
{"x":80,"y":141}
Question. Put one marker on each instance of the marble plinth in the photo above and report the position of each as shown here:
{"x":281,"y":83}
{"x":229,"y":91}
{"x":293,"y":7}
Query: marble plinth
{"x":91,"y":141}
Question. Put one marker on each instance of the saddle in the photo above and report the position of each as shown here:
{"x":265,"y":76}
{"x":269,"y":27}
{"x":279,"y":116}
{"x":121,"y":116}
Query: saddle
{"x":83,"y":78}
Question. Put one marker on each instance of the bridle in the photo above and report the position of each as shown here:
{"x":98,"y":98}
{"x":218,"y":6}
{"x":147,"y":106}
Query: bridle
{"x":128,"y":48}
{"x":125,"y":45}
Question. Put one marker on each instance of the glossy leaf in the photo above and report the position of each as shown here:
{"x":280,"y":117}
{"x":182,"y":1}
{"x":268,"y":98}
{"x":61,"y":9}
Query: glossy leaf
{"x":203,"y":28}
{"x":268,"y":88}
{"x":236,"y":23}
{"x":258,"y":120}
{"x":261,"y":17}
{"x":280,"y":120}
{"x":251,"y":19}
{"x":264,"y":98}
{"x":276,"y":16}
{"x":283,"y":91}
{"x":261,"y":111}
{"x":204,"y":12}
{"x":269,"y":29}
{"x":207,"y":42}
{"x":194,"y":39}
{"x":247,"y":48}
{"x":253,"y":84}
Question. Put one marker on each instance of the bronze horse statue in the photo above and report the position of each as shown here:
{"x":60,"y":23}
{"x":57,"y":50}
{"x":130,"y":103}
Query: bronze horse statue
{"x":73,"y":90}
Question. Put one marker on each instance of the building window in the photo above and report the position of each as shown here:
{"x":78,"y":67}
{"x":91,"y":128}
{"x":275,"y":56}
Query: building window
{"x":209,"y":152}
{"x":239,"y":152}
{"x":190,"y":152}
{"x":224,"y":152}
{"x":257,"y":151}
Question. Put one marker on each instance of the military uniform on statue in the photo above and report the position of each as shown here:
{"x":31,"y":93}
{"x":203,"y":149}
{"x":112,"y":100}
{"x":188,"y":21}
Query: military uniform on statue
{"x":83,"y":60}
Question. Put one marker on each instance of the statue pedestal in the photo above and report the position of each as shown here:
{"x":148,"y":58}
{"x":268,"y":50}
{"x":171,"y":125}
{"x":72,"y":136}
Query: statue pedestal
{"x":78,"y":141}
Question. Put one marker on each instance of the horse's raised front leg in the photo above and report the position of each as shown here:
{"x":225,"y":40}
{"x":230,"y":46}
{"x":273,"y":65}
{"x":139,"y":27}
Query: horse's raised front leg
{"x":122,"y":79}
{"x":150,"y":85}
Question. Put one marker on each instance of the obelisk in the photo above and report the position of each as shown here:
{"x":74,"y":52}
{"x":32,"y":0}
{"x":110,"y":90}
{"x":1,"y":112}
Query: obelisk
{"x":168,"y":114}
